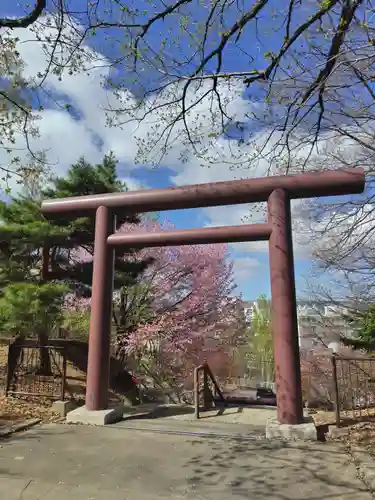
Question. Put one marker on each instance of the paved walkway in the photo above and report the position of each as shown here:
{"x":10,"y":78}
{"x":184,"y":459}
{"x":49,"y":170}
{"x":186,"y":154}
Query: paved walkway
{"x":61,"y":462}
{"x":230,"y":420}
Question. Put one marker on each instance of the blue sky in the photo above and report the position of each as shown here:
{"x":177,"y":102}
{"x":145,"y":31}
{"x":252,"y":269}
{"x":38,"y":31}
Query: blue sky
{"x":82,"y":131}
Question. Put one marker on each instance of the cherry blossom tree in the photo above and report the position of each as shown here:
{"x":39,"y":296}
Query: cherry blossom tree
{"x":76,"y":316}
{"x":182,"y":312}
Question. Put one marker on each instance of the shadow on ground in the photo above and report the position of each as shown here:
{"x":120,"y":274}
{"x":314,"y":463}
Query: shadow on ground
{"x":275,"y":470}
{"x":151,"y":412}
{"x":61,"y":461}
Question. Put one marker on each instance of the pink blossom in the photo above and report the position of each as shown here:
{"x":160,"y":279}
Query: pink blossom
{"x":74,"y":303}
{"x":190,"y":293}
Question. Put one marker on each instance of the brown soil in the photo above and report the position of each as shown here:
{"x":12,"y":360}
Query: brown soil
{"x":14,"y":410}
{"x":347,"y":418}
{"x":361,"y":434}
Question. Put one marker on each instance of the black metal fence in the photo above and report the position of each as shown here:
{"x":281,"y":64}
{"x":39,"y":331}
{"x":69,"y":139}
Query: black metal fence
{"x":54,"y":371}
{"x":36,"y":370}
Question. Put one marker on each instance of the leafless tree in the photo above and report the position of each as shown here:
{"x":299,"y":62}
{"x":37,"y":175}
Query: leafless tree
{"x":308,"y":63}
{"x":306,"y":68}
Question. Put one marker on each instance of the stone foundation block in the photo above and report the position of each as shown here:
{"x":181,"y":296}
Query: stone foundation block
{"x":63,"y":407}
{"x":82,"y":415}
{"x":305,"y":432}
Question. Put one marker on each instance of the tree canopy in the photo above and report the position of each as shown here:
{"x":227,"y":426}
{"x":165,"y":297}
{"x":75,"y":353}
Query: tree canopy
{"x":182,"y":309}
{"x":303,"y":69}
{"x":260,"y":341}
{"x":26,"y":236}
{"x":25,"y":231}
{"x":363,"y":323}
{"x":306,"y":65}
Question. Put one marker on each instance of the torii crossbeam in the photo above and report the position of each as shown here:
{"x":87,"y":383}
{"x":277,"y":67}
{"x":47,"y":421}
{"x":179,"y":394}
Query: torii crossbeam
{"x":277,"y":191}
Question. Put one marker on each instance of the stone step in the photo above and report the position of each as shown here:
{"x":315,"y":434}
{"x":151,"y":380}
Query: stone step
{"x":203,"y":428}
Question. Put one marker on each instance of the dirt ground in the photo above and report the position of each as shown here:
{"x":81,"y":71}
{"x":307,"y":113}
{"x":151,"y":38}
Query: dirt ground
{"x":361,"y":434}
{"x":357,"y":428}
{"x":14,"y":410}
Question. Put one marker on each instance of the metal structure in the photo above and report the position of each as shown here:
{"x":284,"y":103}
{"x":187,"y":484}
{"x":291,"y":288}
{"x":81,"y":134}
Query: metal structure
{"x":206,"y":390}
{"x":24,"y":375}
{"x":353,"y":388}
{"x":277,"y":191}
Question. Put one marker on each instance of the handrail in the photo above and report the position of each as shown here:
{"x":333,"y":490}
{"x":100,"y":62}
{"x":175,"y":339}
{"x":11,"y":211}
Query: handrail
{"x":216,"y":385}
{"x":335,"y":378}
{"x":207,"y":373}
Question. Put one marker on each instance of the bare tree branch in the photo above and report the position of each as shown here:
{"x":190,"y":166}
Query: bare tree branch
{"x":347,"y":14}
{"x":25,"y":21}
{"x":304,"y":75}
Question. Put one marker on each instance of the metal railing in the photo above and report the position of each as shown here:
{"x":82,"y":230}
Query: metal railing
{"x":204,"y":395}
{"x":353,"y":381}
{"x":36,"y":370}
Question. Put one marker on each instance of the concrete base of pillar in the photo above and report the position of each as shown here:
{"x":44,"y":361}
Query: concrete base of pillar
{"x":63,"y":407}
{"x":304,"y":432}
{"x":82,"y":415}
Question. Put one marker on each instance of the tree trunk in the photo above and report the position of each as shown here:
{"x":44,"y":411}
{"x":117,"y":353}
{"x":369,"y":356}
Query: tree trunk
{"x":45,"y":367}
{"x":14,"y":354}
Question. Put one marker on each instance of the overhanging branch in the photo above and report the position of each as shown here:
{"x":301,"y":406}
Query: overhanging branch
{"x":25,"y":21}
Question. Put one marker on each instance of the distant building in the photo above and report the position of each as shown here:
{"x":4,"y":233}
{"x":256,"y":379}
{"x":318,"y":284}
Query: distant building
{"x":322,"y":324}
{"x":253,"y":307}
{"x":318,"y":323}
{"x":249,"y":308}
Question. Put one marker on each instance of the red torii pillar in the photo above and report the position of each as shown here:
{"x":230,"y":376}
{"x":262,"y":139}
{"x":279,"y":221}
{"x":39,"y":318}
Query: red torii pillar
{"x":276,"y":191}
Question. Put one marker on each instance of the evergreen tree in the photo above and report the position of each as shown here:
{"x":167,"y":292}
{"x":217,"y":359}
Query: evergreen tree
{"x":32,"y":294}
{"x":28,"y":306}
{"x":364,"y":324}
{"x":85,"y":179}
{"x":24,"y":232}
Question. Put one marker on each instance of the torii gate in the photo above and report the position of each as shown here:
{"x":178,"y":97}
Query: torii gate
{"x":277,"y":191}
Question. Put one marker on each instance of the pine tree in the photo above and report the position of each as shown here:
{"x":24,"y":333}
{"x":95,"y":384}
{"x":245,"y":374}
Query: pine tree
{"x":24,"y":232}
{"x":84,"y":179}
{"x":363,"y":322}
{"x":31,"y":299}
{"x":27,"y":304}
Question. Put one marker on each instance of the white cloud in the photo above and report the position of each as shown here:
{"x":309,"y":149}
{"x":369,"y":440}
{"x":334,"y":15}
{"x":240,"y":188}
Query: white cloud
{"x":63,"y":137}
{"x":132,"y":184}
{"x":349,"y":232}
{"x":245,"y":268}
